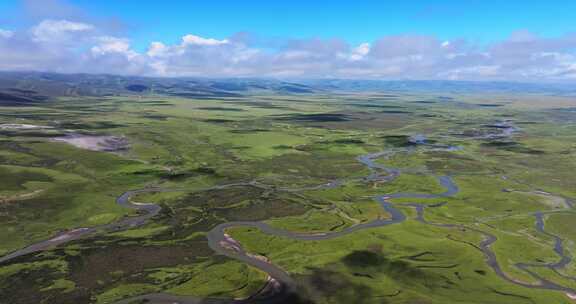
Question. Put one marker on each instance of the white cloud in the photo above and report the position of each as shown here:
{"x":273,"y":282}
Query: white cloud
{"x":156,"y":49}
{"x":58,"y":30}
{"x":112,"y":45}
{"x":69,"y":46}
{"x":6,"y":34}
{"x":360,"y":51}
{"x":197,"y":40}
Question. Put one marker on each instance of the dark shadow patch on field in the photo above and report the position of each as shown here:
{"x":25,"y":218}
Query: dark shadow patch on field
{"x":364,"y":258}
{"x":220,"y":198}
{"x":290,"y":297}
{"x":20,"y":99}
{"x":263,"y":208}
{"x":218,"y":120}
{"x":405,"y":272}
{"x":95,"y":265}
{"x":348,"y":141}
{"x":183,"y":222}
{"x":15,"y":182}
{"x":295,"y":100}
{"x":156,"y":117}
{"x":241,"y":204}
{"x":177,"y":175}
{"x":182,"y":175}
{"x":242,"y":102}
{"x":93,"y":125}
{"x":92,"y":267}
{"x":507,"y":294}
{"x":325,"y":117}
{"x":428,"y":115}
{"x":157,"y":103}
{"x":283,"y":147}
{"x":328,"y":286}
{"x":376,"y":106}
{"x":395,"y":112}
{"x":497,"y":126}
{"x":249,"y":131}
{"x":202,"y":211}
{"x":466,"y":123}
{"x":31,"y":209}
{"x":23,"y":287}
{"x":489,"y":105}
{"x":400,"y":141}
{"x":224,"y":109}
{"x":14,"y":146}
{"x":273,"y":107}
{"x":348,"y":120}
{"x":426,"y":256}
{"x":450,"y":266}
{"x":511,"y":146}
{"x":139,"y":88}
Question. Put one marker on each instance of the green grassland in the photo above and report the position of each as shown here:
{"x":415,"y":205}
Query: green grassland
{"x":287,"y":146}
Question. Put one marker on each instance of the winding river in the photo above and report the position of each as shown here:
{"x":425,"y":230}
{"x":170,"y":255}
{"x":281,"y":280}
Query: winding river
{"x":280,"y":285}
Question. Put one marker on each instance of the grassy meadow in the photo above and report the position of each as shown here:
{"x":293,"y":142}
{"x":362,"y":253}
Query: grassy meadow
{"x":288,"y":145}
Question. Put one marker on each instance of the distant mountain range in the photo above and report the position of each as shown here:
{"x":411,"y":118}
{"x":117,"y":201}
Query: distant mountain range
{"x":28,"y":88}
{"x":17,"y":88}
{"x":441,"y":86}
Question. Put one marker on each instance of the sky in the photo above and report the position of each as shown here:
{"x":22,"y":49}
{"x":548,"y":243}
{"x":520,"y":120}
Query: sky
{"x":381,"y":39}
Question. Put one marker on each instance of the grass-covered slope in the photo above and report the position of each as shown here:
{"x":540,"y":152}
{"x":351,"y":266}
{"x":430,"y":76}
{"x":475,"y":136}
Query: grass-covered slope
{"x":281,"y":151}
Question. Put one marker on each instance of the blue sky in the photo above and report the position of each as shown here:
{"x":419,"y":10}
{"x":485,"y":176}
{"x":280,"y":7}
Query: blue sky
{"x":442,"y":39}
{"x":355,"y":21}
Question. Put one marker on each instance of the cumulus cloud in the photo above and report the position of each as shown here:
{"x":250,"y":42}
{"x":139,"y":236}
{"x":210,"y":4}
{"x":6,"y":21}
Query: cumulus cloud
{"x":110,"y":45}
{"x":59,"y":31}
{"x":6,"y":33}
{"x":70,"y":46}
{"x":360,"y":51}
{"x":197,"y":40}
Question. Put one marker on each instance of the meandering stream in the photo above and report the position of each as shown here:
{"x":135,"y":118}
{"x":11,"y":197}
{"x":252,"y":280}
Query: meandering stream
{"x":280,"y":284}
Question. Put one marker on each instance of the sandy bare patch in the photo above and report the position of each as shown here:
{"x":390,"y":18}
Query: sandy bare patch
{"x":95,"y":143}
